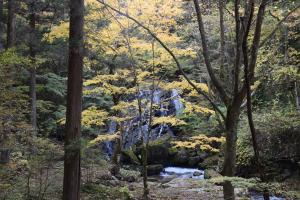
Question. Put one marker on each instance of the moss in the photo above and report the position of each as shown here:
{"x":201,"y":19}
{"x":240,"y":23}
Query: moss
{"x":130,"y":156}
{"x":210,"y":162}
{"x":210,"y":173}
{"x":101,"y":192}
{"x":173,"y":150}
{"x":164,"y":140}
{"x":129,"y":175}
{"x":237,"y":182}
{"x":292,"y":194}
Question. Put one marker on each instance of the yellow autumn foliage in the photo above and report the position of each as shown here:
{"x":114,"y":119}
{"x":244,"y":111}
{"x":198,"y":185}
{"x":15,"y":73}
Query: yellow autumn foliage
{"x":94,"y":117}
{"x":184,"y":85}
{"x":194,"y":108}
{"x":173,"y":121}
{"x":201,"y":141}
{"x":102,"y":138}
{"x":58,"y":32}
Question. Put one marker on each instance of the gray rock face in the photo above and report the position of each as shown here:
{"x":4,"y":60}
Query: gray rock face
{"x":210,"y":173}
{"x":181,"y":158}
{"x":196,"y":174}
{"x":194,"y":161}
{"x":154,"y":169}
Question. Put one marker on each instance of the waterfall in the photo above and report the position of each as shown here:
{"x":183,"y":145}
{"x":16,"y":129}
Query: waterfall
{"x":112,"y":127}
{"x":166,"y":104}
{"x":178,"y":105}
{"x":109,"y":145}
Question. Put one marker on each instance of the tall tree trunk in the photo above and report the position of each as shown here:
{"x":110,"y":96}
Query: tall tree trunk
{"x":249,"y":111}
{"x":115,"y":160}
{"x":32,"y":47}
{"x":5,"y":152}
{"x":230,"y":149}
{"x":297,"y":98}
{"x":223,"y":74}
{"x":71,"y":185}
{"x":11,"y":24}
{"x":231,"y":138}
{"x":1,"y":26}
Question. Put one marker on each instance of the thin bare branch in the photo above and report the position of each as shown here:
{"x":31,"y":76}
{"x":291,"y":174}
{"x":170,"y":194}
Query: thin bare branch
{"x":209,"y":68}
{"x":171,"y":54}
{"x":278,"y":25}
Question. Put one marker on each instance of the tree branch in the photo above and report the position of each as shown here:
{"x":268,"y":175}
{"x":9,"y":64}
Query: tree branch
{"x":254,"y":48}
{"x":277,"y":26}
{"x":170,"y":52}
{"x":209,"y":68}
{"x":238,"y":38}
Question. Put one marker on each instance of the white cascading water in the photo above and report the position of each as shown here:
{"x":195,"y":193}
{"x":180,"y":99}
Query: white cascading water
{"x":176,"y":101}
{"x":112,"y":128}
{"x":182,"y":173}
{"x":171,"y":106}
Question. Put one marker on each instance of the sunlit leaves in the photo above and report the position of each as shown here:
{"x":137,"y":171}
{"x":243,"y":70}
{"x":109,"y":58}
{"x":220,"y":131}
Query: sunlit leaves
{"x":60,"y":31}
{"x":184,"y":85}
{"x":194,"y":108}
{"x":201,"y":141}
{"x":102,"y":138}
{"x":173,"y":121}
{"x":94,"y":117}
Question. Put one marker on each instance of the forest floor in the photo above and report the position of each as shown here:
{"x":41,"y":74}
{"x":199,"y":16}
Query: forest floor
{"x":99,"y":184}
{"x":182,"y":189}
{"x":168,"y":189}
{"x":160,"y":189}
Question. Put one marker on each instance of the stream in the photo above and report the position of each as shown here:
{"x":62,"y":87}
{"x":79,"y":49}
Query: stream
{"x":259,"y":196}
{"x":186,"y":173}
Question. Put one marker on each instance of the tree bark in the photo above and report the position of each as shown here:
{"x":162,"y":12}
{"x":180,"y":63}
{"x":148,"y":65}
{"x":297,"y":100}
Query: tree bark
{"x":230,"y":149}
{"x":223,"y":74}
{"x":11,"y":24}
{"x":4,"y":156}
{"x":251,"y":123}
{"x":115,"y":160}
{"x":297,"y":99}
{"x":216,"y":82}
{"x":32,"y":49}
{"x":231,"y":137}
{"x":1,"y":25}
{"x":71,"y":185}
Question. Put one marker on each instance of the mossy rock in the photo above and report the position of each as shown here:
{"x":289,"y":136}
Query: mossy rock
{"x":210,"y":162}
{"x":129,"y":157}
{"x":97,"y":191}
{"x":129,"y":175}
{"x":210,"y":173}
{"x":181,"y":158}
{"x":158,"y":152}
{"x":154,"y":169}
{"x":173,"y":151}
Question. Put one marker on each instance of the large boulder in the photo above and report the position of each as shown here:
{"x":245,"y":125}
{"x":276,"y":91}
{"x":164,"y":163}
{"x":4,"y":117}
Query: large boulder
{"x":181,"y":158}
{"x":128,"y":156}
{"x":194,"y":161}
{"x":154,"y":169}
{"x":210,"y":162}
{"x":210,"y":173}
{"x":158,"y":152}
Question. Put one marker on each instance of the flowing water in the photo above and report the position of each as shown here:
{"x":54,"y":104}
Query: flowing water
{"x":259,"y":196}
{"x":168,"y":104}
{"x":183,"y":173}
{"x":109,"y":145}
{"x":187,"y":173}
{"x":178,"y":105}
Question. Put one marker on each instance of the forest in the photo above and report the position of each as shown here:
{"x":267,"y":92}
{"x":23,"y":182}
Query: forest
{"x":149,"y":99}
